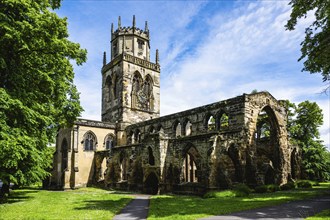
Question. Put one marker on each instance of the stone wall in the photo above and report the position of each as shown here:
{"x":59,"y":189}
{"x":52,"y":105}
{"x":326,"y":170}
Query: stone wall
{"x":213,"y":146}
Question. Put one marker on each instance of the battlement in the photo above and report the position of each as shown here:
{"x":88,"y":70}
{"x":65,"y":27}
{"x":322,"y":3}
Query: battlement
{"x":130,"y":30}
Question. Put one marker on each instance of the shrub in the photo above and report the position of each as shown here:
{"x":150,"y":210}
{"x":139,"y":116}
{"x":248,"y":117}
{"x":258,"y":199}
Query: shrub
{"x":304,"y":184}
{"x":288,"y":186}
{"x":211,"y":194}
{"x":242,"y":190}
{"x":273,"y":188}
{"x":267,"y":188}
{"x":261,"y":189}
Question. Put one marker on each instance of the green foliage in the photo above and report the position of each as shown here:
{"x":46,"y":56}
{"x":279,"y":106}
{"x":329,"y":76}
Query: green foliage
{"x":241,"y":190}
{"x":315,"y":50}
{"x":304,"y":121}
{"x":220,"y":194}
{"x":288,"y":186}
{"x":267,"y":188}
{"x":37,"y":94}
{"x":304,"y":184}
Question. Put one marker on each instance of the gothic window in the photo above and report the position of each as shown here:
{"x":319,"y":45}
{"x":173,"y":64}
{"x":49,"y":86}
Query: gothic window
{"x":140,"y":44}
{"x":137,"y":136}
{"x":210,"y":123}
{"x":115,"y":87}
{"x":151,"y":129}
{"x":64,"y":150}
{"x":148,"y":90}
{"x":263,"y":126}
{"x":189,"y":169}
{"x":136,"y":87}
{"x":115,"y":48}
{"x":151,"y":157}
{"x":89,"y":141}
{"x":108,"y":92}
{"x":224,"y":122}
{"x":178,"y":129}
{"x":188,"y":128}
{"x":123,"y":169}
{"x":109,"y":142}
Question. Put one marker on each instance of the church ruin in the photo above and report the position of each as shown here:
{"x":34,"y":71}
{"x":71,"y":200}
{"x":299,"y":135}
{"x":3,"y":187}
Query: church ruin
{"x":238,"y":140}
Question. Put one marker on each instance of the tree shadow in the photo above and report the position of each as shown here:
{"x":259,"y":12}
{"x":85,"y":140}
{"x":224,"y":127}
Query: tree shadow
{"x":111,"y":205}
{"x":18,"y":196}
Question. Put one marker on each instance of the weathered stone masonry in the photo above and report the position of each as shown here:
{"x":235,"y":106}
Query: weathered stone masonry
{"x":238,"y":140}
{"x":222,"y":155}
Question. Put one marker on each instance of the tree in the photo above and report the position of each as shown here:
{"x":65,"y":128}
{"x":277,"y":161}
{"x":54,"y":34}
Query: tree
{"x":37,"y":94}
{"x":304,"y":121}
{"x":316,"y":45}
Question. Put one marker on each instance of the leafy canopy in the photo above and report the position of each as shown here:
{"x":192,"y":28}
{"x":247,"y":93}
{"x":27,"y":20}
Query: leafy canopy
{"x":37,"y":94}
{"x":315,"y":49}
{"x":304,"y":121}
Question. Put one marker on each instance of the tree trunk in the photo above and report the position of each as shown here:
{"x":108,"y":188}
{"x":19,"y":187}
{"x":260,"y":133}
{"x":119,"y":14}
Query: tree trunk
{"x":4,"y":190}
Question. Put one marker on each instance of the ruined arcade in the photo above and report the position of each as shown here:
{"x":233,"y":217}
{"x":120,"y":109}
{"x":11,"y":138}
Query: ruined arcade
{"x":238,"y":140}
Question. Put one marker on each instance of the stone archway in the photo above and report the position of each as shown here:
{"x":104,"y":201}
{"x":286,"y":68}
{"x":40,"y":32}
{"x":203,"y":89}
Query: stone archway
{"x":268,"y":157}
{"x":151,"y":184}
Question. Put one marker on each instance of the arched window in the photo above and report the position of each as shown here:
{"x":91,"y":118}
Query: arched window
{"x":148,"y":90}
{"x":115,"y":83}
{"x":108,"y":84}
{"x":151,"y":129}
{"x":211,"y":123}
{"x":109,"y":142}
{"x":89,"y":141}
{"x":64,"y":150}
{"x":137,"y":136}
{"x":151,"y":157}
{"x":224,"y":121}
{"x":188,"y":128}
{"x":136,"y":87}
{"x":178,"y":129}
{"x":263,"y":126}
{"x":189,"y":169}
{"x":123,"y":169}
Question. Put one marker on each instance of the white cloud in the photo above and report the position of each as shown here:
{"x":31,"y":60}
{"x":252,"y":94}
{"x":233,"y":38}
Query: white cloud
{"x":207,"y":52}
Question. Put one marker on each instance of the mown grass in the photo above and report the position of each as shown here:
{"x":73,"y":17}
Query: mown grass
{"x":325,"y":214}
{"x":85,"y":203}
{"x":190,"y":207}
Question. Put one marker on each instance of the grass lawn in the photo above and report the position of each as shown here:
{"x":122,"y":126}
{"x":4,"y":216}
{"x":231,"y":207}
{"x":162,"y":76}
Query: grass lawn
{"x":85,"y":203}
{"x":190,"y":207}
{"x":321,"y":216}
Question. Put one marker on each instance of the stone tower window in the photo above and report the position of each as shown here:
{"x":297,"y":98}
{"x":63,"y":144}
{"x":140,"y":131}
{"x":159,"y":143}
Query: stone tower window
{"x":115,"y":87}
{"x":108,"y":84}
{"x":89,"y":141}
{"x":148,"y":89}
{"x":140,"y":44}
{"x":136,"y":87}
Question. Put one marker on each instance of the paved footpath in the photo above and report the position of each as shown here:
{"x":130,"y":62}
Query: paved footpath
{"x":295,"y":210}
{"x":138,"y":208}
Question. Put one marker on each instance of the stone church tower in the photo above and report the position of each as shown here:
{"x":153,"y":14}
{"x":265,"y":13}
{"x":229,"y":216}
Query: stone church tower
{"x":130,"y":81}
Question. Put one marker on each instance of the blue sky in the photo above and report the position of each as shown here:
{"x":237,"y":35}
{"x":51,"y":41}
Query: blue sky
{"x":209,"y":51}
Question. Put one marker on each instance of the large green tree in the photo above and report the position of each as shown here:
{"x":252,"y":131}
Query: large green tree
{"x":315,"y":49}
{"x":37,"y":94}
{"x":304,"y":121}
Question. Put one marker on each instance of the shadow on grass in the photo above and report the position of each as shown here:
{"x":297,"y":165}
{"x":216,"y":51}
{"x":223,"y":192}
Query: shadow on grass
{"x":113,"y":206}
{"x":196,"y":207}
{"x":18,"y":196}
